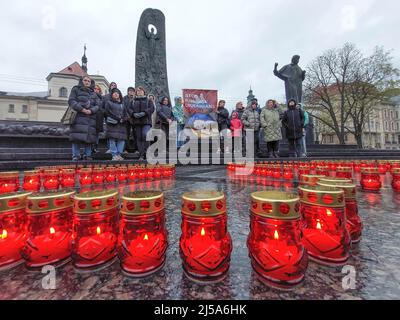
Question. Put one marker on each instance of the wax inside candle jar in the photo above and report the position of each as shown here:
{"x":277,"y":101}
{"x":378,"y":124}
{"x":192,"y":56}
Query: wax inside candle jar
{"x":95,"y":238}
{"x":142,"y":243}
{"x":325,"y":235}
{"x":49,"y":238}
{"x":12,"y":237}
{"x":205,"y":247}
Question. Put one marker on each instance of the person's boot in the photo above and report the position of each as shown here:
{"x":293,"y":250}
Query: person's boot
{"x":276,"y":155}
{"x":270,"y":155}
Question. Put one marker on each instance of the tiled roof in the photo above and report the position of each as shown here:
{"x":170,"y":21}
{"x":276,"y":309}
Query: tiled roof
{"x":74,"y":69}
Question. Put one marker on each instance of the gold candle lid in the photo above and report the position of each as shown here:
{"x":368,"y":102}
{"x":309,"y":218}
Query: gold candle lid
{"x":349,"y":189}
{"x":322,"y":168}
{"x":68,"y":171}
{"x":12,"y":174}
{"x":142,"y":203}
{"x":322,"y":196}
{"x":396,"y":171}
{"x":13,"y":201}
{"x":344,"y":169}
{"x":96,"y":201}
{"x":206,"y":203}
{"x":311,"y":178}
{"x":51,"y":171}
{"x":370,"y":170}
{"x":31,"y":173}
{"x":49,"y":201}
{"x":335,"y":180}
{"x":276,"y":205}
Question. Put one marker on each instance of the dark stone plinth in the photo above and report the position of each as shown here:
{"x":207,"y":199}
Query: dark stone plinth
{"x":375,"y":259}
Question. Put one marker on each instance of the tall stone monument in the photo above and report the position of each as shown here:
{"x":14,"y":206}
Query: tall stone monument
{"x":151,"y":55}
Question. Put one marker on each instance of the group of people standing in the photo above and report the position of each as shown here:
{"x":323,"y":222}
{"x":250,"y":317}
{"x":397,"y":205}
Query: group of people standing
{"x":273,"y":120}
{"x":127,"y":121}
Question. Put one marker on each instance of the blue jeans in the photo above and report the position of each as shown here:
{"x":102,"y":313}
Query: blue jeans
{"x":117,"y":147}
{"x":180,"y":128}
{"x":141,"y":134}
{"x":76,"y":149}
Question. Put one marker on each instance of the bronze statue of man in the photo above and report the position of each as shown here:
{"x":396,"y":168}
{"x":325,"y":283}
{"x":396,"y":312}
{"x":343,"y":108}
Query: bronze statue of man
{"x":293,"y":77}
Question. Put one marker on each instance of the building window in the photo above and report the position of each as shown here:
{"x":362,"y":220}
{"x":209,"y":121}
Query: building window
{"x":397,"y":114}
{"x":386,"y":113}
{"x":11,"y":108}
{"x":63,"y":92}
{"x":392,"y":126}
{"x":378,"y":126}
{"x":398,"y":126}
{"x":24,"y":108}
{"x":391,"y":114}
{"x":346,"y":138}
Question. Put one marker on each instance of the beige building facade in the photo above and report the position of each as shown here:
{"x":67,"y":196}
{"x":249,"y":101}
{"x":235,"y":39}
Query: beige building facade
{"x":48,"y":106}
{"x":382,"y":131}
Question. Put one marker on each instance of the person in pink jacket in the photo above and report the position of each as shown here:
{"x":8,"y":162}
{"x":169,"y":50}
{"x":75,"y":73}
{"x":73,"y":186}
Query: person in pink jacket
{"x":237,"y":130}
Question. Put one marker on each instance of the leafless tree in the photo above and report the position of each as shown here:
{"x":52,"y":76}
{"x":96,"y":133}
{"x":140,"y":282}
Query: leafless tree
{"x":342,"y":86}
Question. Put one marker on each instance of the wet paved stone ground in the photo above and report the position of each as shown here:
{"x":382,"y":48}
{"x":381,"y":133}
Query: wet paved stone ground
{"x":376,"y":259}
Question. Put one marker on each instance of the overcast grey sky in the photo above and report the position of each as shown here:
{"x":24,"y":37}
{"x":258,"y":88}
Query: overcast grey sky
{"x":213,"y":44}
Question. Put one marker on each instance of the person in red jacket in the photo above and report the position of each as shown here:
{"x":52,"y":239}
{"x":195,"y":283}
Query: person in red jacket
{"x":237,"y":130}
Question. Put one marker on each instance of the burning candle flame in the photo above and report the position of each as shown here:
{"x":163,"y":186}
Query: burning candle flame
{"x":276,"y":235}
{"x":319,"y":227}
{"x":329,"y":213}
{"x":98,"y":231}
{"x":203,"y":232}
{"x":52,"y":230}
{"x":146,"y":237}
{"x":4,"y":234}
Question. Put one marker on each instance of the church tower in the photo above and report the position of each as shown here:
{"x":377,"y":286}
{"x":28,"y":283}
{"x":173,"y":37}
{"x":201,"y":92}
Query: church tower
{"x":250,"y":97}
{"x":84,"y":60}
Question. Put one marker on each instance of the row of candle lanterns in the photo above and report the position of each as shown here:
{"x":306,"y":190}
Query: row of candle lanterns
{"x":95,"y":228}
{"x":370,"y":179}
{"x":49,"y":179}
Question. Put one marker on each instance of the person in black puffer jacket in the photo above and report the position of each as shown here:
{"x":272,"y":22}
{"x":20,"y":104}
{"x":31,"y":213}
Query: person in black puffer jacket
{"x":293,"y":122}
{"x":83,"y":131}
{"x":142,"y":110}
{"x":98,"y":100}
{"x":223,"y":122}
{"x":116,"y":119}
{"x":165,"y":117}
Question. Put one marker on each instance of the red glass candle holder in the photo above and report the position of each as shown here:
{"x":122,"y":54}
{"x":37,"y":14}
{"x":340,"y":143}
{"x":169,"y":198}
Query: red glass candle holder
{"x":205,"y":244}
{"x":382,"y":167}
{"x":142,"y":242}
{"x":12,"y":229}
{"x":310,"y":179}
{"x":51,"y":180}
{"x":371,"y":179}
{"x":49,"y":234}
{"x":275,"y":241}
{"x":304,"y":170}
{"x":68,"y":178}
{"x":353,"y":220}
{"x":277,"y":172}
{"x":141,"y":172}
{"x":344,"y":173}
{"x":322,"y":171}
{"x":132,"y":173}
{"x":98,"y":176}
{"x":325,"y":235}
{"x":122,"y":174}
{"x":85,"y":177}
{"x":158,"y":173}
{"x":111,"y":175}
{"x":31,"y":181}
{"x":95,"y":230}
{"x":288,"y":173}
{"x":9,"y":182}
{"x":396,"y":179}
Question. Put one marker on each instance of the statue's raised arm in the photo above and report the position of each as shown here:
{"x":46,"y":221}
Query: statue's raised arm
{"x":278,"y":73}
